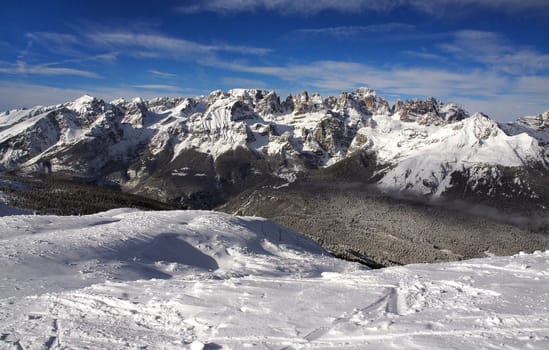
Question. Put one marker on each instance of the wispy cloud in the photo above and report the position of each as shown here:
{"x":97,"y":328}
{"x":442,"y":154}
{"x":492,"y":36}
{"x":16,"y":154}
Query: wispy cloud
{"x":156,"y":44}
{"x":307,"y":7}
{"x":157,"y":87}
{"x":5,"y":44}
{"x":52,"y":38}
{"x":162,"y":74}
{"x":22,"y":68}
{"x":492,"y":70}
{"x":77,"y":47}
{"x":55,"y":43}
{"x":506,"y":107}
{"x":425,"y":55}
{"x":440,"y":7}
{"x":503,"y":98}
{"x":17,"y":95}
{"x":400,"y":29}
{"x":481,"y":86}
{"x":341,"y":75}
{"x":235,"y":82}
{"x":283,"y":6}
{"x":63,"y":49}
{"x":537,"y":86}
{"x":109,"y":57}
{"x":491,"y":49}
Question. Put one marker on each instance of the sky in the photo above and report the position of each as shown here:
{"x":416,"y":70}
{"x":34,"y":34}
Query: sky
{"x":489,"y":56}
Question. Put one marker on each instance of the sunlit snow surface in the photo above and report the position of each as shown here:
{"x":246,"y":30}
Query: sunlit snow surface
{"x":128,"y":279}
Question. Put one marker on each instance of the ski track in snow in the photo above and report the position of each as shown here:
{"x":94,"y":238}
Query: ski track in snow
{"x":126,"y":279}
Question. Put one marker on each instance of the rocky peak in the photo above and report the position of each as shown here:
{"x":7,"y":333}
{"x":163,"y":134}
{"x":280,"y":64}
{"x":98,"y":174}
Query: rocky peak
{"x":330,"y":102}
{"x":241,"y":110}
{"x":429,"y":111}
{"x":288,"y":105}
{"x":452,"y":112}
{"x":269,"y":104}
{"x":370,"y":102}
{"x":344,"y":100}
{"x":189,"y":106}
{"x":483,"y":126}
{"x":363,"y":92}
{"x":411,"y":110}
{"x":538,"y":122}
{"x":134,"y":112}
{"x":86,"y":105}
{"x":161,"y":104}
{"x":84,"y":99}
{"x":216,"y":95}
{"x":304,"y":104}
{"x":249,"y":96}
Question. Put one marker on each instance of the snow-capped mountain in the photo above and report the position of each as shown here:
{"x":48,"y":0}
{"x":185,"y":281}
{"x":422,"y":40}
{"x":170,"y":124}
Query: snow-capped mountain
{"x":191,"y":150}
{"x":127,"y":279}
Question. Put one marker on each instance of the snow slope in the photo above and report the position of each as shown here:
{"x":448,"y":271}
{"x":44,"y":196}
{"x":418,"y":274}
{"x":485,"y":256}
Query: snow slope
{"x":128,"y":279}
{"x":422,"y":158}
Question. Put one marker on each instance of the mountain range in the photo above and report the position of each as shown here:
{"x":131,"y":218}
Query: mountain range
{"x":199,"y":152}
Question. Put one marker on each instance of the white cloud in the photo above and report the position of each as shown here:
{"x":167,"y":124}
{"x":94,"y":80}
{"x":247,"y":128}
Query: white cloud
{"x":158,"y":87}
{"x":505,"y":108}
{"x":475,"y":88}
{"x":398,"y":29}
{"x":284,"y":6}
{"x":338,"y":75}
{"x":55,"y":43}
{"x":108,"y":57}
{"x":456,"y":8}
{"x":22,"y":68}
{"x":487,"y":48}
{"x":142,"y":45}
{"x":537,"y":86}
{"x":491,"y":49}
{"x":425,"y":55}
{"x":73,"y":48}
{"x":312,"y":7}
{"x":162,"y":45}
{"x":235,"y":82}
{"x":17,"y":95}
{"x":49,"y":38}
{"x":162,"y":74}
{"x":502,"y":97}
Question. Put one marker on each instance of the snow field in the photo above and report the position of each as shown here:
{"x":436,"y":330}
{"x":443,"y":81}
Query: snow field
{"x":127,"y":279}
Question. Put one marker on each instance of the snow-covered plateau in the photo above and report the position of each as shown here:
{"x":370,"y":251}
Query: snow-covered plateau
{"x":195,"y":152}
{"x":128,"y":279}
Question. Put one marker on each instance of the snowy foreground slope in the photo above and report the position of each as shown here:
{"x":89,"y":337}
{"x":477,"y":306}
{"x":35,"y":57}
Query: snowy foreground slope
{"x":128,"y":279}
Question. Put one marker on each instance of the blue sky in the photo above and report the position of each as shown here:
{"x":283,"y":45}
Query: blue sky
{"x":490,"y":56}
